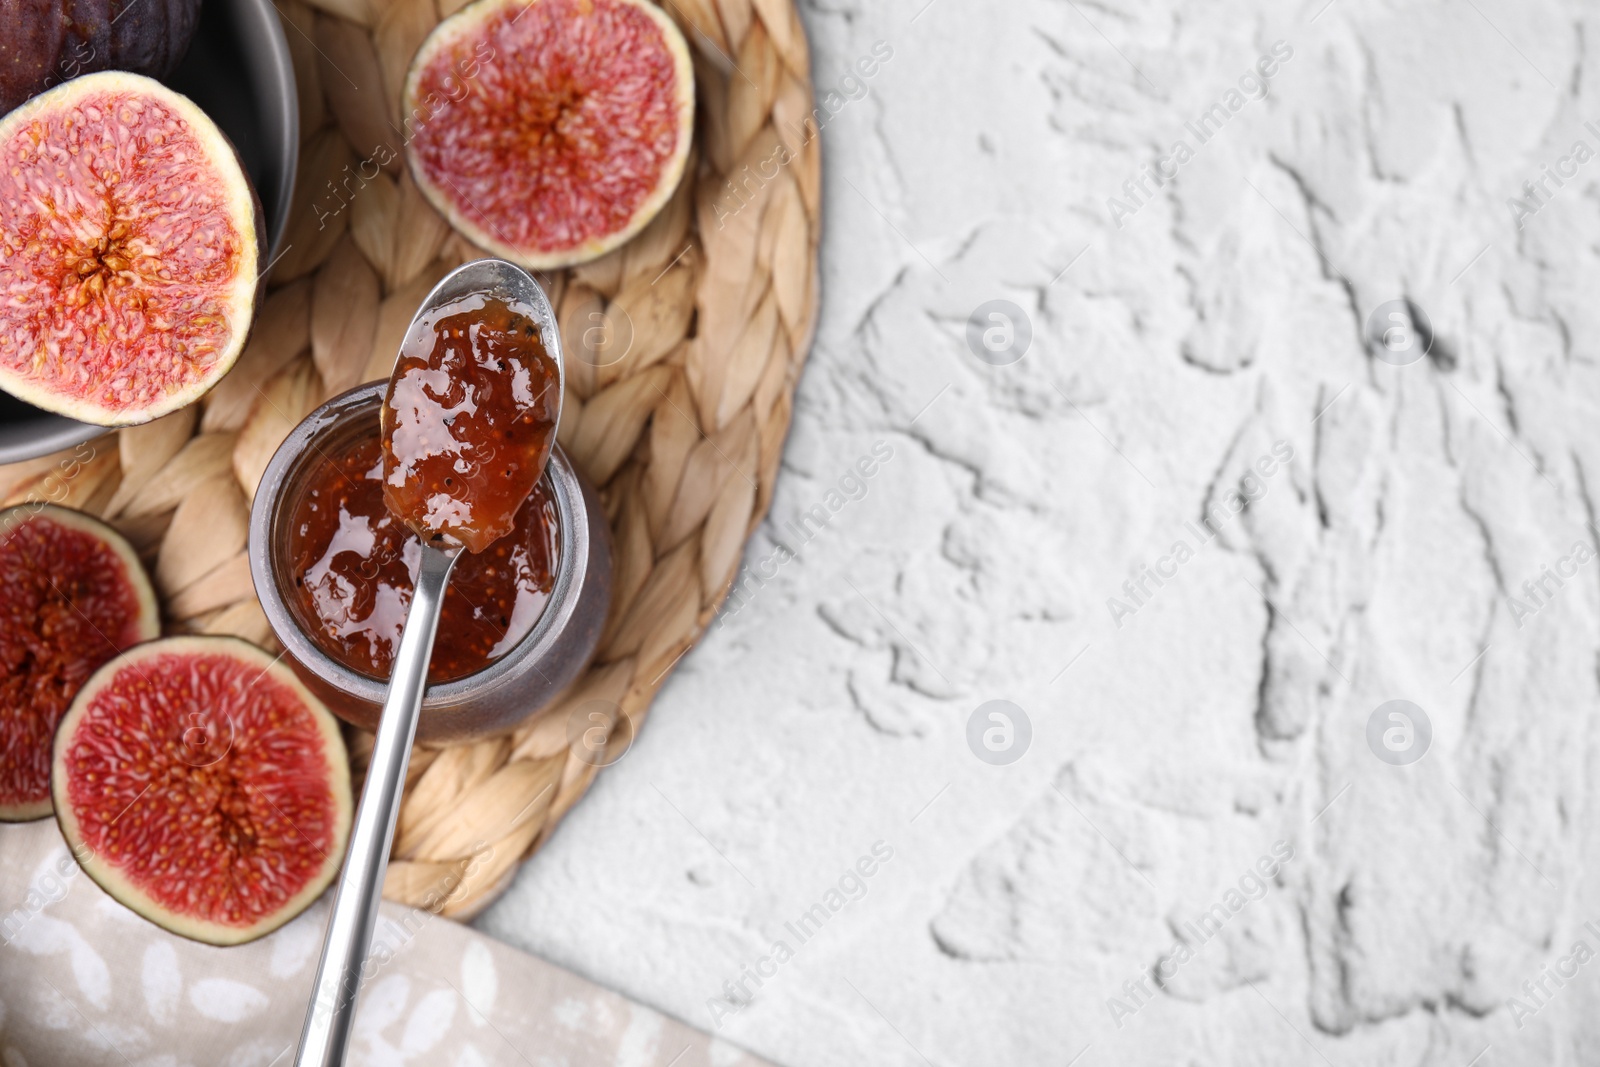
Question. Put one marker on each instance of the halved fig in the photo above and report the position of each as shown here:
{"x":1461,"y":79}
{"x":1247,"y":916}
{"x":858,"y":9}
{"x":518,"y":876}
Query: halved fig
{"x":72,"y":595}
{"x":550,"y":131}
{"x":202,"y":785}
{"x":128,"y":250}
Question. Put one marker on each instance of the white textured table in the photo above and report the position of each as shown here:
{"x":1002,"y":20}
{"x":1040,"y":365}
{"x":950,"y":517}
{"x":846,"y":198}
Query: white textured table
{"x":1115,"y":891}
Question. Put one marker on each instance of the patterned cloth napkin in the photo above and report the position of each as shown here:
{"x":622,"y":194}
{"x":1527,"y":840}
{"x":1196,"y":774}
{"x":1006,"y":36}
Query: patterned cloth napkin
{"x":85,"y":981}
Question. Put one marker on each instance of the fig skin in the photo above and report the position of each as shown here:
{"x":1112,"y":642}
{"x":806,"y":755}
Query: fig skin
{"x":46,"y":42}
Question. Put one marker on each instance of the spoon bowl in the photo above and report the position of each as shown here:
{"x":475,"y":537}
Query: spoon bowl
{"x":504,"y":281}
{"x":355,"y":906}
{"x":474,"y":383}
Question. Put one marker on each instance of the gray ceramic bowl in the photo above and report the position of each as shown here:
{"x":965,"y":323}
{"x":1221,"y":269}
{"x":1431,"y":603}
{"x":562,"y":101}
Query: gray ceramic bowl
{"x":238,"y":71}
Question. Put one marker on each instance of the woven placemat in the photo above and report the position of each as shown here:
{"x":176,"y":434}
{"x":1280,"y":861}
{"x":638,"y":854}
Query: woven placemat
{"x":684,"y":347}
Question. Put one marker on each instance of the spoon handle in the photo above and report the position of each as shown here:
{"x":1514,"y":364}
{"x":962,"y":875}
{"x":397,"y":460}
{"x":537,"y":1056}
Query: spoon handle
{"x":355,"y":905}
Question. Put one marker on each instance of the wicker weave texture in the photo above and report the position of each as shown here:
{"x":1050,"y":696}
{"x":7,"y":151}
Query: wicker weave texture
{"x":684,"y":347}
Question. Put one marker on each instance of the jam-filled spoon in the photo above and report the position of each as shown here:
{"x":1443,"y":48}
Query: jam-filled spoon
{"x":468,"y":424}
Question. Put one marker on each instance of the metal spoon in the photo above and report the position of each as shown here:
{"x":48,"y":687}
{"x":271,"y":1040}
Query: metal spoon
{"x":355,"y":904}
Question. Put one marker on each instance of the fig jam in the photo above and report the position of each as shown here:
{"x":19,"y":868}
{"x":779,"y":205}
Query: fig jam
{"x":355,"y":565}
{"x":468,"y":421}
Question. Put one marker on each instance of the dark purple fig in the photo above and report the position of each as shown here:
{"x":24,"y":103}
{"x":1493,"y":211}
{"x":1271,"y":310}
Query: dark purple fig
{"x":46,"y":42}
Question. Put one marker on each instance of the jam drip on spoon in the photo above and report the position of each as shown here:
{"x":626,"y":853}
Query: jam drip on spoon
{"x":469,"y":421}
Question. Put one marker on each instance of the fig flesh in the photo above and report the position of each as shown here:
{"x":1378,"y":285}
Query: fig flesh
{"x":129,"y":243}
{"x":72,"y":595}
{"x":549,"y":132}
{"x":202,"y":785}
